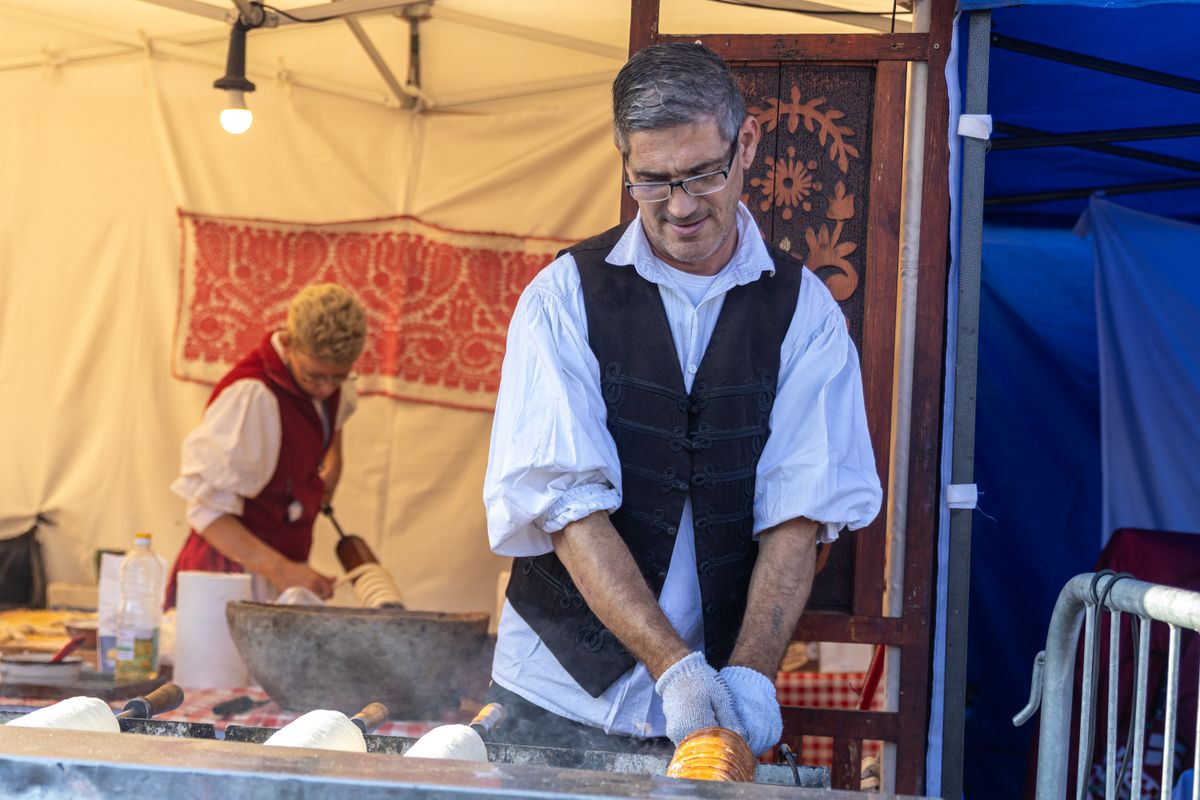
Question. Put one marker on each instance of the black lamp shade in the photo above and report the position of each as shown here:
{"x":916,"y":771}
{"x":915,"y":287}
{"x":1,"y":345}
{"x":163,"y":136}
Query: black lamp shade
{"x":235,"y":64}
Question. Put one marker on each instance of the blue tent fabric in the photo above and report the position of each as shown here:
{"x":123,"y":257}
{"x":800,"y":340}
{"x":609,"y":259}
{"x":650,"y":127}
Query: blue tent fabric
{"x":1055,"y":97}
{"x":1038,"y":420}
{"x":1037,"y":468}
{"x":1148,"y":319}
{"x":982,"y":5}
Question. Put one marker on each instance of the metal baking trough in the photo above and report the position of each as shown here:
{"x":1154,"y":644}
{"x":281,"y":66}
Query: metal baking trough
{"x":420,"y":664}
{"x":65,"y":765}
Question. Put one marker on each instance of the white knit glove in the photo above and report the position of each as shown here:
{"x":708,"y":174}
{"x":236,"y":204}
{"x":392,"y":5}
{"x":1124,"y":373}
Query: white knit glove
{"x":695,"y":697}
{"x":757,"y":706}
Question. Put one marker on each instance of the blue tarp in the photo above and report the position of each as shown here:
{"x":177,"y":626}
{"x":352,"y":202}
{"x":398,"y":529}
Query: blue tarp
{"x":1060,"y":98}
{"x":1068,"y":326}
{"x":1148,"y":318}
{"x":1038,"y":422}
{"x":1037,"y":455}
{"x":979,"y":5}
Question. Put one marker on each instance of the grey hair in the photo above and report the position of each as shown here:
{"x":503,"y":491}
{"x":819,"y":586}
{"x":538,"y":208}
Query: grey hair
{"x":666,"y":85}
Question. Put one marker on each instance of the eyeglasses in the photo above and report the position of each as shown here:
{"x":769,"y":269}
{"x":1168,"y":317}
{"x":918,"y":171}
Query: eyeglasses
{"x":299,"y":366}
{"x":329,"y":380}
{"x":696,"y":186}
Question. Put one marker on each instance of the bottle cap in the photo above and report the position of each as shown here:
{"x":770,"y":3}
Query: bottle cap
{"x":143,"y":538}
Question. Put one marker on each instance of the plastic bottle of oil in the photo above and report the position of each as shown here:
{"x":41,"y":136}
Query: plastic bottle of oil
{"x":139,"y":613}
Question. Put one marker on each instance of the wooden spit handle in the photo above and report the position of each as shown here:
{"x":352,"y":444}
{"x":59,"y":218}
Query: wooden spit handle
{"x":327,"y":510}
{"x":371,"y":717}
{"x":352,"y":551}
{"x":488,"y":718}
{"x":167,"y":697}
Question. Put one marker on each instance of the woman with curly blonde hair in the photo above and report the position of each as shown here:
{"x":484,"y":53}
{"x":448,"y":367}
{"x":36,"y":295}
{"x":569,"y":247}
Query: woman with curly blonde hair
{"x":268,"y":451}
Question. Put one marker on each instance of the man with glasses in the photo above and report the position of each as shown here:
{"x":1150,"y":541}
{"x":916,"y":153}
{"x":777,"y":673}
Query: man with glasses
{"x":267,"y":454}
{"x":680,"y":420}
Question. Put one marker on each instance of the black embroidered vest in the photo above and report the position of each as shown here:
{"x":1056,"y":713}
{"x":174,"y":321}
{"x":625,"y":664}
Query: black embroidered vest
{"x":671,"y":444}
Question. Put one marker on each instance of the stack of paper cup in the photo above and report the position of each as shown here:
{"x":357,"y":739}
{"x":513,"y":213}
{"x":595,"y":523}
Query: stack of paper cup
{"x":205,"y":655}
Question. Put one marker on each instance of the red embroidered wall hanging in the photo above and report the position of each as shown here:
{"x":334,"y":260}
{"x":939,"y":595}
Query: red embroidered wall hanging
{"x":438,"y":300}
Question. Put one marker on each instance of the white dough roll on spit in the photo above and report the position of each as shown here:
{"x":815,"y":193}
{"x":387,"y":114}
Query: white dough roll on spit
{"x":72,"y":714}
{"x":320,"y":730}
{"x":459,"y":742}
{"x":331,"y":730}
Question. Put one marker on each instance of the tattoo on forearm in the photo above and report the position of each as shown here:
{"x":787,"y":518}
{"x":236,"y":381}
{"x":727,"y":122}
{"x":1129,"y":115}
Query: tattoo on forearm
{"x":776,"y":620}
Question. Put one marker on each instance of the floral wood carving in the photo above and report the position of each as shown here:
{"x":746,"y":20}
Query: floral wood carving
{"x":793,"y":185}
{"x":789,"y":183}
{"x":823,"y":123}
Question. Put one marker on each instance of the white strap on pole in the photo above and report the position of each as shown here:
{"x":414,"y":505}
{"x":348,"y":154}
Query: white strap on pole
{"x":961,"y":495}
{"x":975,"y":126}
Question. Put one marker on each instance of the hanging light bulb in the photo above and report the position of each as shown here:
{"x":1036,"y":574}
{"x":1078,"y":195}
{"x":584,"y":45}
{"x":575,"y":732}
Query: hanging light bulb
{"x":236,"y":118}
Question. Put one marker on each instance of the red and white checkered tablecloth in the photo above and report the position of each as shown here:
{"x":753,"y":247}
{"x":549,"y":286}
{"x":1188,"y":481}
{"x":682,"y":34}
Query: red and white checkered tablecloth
{"x":824,"y":690}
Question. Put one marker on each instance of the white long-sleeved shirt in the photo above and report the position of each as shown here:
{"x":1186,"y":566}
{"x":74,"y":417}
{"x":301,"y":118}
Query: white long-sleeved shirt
{"x":552,"y":461}
{"x":233,"y":452}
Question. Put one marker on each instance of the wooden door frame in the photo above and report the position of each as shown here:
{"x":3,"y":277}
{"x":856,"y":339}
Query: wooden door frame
{"x":909,"y":633}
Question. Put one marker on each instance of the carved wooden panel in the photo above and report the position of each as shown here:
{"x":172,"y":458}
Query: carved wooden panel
{"x":809,"y":187}
{"x":809,"y":191}
{"x":841,"y":68}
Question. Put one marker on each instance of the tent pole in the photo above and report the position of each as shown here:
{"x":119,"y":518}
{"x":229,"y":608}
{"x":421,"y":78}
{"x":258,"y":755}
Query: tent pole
{"x":1096,"y":137}
{"x":962,"y":467}
{"x":1097,"y":64}
{"x":1107,"y":149}
{"x":1088,"y":191}
{"x":906,"y":336}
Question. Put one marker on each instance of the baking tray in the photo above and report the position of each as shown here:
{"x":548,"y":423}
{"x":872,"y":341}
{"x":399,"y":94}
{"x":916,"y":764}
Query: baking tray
{"x":89,"y":684}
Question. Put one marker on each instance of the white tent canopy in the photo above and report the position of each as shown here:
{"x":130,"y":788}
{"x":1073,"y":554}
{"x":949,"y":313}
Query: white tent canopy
{"x":112,"y":126}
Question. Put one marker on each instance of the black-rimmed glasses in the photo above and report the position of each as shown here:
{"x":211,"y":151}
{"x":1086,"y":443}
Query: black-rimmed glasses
{"x":318,"y":379}
{"x":696,"y":186}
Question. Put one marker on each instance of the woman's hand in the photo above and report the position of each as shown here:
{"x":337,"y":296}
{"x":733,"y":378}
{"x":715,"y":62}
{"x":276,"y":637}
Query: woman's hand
{"x":291,"y":573}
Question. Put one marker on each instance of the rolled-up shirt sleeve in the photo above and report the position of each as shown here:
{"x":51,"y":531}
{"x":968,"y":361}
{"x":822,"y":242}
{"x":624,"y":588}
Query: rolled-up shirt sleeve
{"x":818,"y":462}
{"x":551,"y":460}
{"x":231,"y":454}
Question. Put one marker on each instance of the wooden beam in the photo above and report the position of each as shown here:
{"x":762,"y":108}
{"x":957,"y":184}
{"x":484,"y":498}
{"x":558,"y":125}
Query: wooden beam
{"x":825,"y":627}
{"x":812,"y":46}
{"x":924,"y":455}
{"x":881,"y":725}
{"x":846,"y":771}
{"x":879,"y":315}
{"x":643,"y":32}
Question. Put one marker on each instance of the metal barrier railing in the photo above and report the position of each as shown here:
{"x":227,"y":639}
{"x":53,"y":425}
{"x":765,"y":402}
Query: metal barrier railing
{"x":1080,"y":602}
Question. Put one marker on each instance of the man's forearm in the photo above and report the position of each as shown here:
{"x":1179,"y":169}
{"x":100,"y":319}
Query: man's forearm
{"x":779,"y":589}
{"x":605,"y":573}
